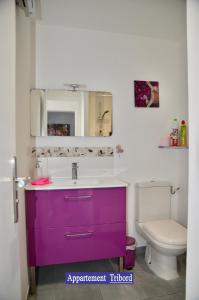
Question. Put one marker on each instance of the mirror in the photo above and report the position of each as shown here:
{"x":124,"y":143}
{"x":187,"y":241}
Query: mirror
{"x":70,"y":113}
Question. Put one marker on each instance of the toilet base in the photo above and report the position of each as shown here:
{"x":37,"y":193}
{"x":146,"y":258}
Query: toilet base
{"x":160,"y":264}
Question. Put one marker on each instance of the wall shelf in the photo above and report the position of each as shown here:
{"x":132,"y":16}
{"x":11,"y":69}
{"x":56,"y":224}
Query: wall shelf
{"x":172,"y":147}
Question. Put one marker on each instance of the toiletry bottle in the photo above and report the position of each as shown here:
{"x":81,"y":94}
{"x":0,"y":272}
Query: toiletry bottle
{"x":183,"y":134}
{"x":38,"y":169}
{"x":174,"y":136}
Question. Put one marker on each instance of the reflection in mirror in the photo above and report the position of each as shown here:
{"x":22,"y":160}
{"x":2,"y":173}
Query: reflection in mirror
{"x":71,"y":113}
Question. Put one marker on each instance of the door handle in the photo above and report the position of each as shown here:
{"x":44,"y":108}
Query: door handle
{"x":21,"y":181}
{"x":77,"y":197}
{"x":18,"y":182}
{"x":79,"y":235}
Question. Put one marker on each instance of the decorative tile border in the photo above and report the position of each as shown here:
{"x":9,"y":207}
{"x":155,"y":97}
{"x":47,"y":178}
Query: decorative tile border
{"x":72,"y":151}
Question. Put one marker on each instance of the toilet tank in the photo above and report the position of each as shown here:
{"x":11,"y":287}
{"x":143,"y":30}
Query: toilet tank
{"x":153,"y":201}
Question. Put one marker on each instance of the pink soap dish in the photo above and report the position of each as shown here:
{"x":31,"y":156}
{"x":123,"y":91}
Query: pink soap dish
{"x":41,"y":181}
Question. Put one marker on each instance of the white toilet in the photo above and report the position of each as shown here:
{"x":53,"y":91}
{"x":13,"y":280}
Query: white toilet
{"x":166,"y":239}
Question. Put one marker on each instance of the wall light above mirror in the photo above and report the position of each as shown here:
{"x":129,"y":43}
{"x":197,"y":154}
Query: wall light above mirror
{"x":70,"y":113}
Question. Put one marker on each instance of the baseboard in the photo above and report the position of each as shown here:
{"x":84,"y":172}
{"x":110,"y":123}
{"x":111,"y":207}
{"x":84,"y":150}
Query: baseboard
{"x":28,"y":292}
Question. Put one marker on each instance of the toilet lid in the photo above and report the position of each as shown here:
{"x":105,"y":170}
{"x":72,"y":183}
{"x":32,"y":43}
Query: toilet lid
{"x":167,"y":232}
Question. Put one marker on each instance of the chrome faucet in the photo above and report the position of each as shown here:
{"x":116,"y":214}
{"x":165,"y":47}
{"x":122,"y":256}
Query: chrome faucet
{"x":74,"y":171}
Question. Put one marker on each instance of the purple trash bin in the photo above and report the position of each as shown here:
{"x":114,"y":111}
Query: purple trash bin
{"x":129,"y":258}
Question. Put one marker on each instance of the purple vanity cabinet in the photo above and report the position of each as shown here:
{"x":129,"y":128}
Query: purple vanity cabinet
{"x":75,"y":225}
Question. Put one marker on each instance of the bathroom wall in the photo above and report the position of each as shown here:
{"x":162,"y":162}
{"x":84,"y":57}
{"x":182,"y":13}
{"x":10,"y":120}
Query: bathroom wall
{"x":25,"y":75}
{"x":192,"y":287}
{"x":109,"y":57}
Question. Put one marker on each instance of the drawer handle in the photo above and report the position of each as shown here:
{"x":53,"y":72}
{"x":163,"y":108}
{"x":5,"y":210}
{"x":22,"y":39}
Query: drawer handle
{"x":78,"y":235}
{"x":77,"y":197}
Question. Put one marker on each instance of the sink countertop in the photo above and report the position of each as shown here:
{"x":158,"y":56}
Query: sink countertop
{"x":82,"y":183}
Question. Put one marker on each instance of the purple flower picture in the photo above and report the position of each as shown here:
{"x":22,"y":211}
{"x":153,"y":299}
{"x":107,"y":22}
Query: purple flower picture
{"x":146,"y":93}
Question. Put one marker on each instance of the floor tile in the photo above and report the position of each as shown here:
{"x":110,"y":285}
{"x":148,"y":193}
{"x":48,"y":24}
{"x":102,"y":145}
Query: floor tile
{"x":47,"y":294}
{"x":152,"y":285}
{"x":140,"y":265}
{"x":176,"y":296}
{"x":78,"y":292}
{"x":147,"y":286}
{"x":123,"y":291}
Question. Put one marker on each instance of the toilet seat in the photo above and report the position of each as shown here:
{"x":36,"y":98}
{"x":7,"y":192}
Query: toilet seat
{"x":166,"y":232}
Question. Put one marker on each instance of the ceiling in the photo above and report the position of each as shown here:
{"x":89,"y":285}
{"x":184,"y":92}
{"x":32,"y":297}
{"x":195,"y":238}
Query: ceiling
{"x":164,"y":19}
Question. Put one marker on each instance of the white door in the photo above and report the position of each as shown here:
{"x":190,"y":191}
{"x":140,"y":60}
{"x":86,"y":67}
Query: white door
{"x":9,"y":250}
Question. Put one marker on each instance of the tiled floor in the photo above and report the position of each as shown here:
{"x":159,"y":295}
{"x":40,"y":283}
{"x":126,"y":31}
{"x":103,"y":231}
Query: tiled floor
{"x":146,"y":287}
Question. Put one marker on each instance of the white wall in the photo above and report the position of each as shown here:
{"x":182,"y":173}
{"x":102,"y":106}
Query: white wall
{"x":112,"y":61}
{"x":25,"y":37}
{"x":192,"y":290}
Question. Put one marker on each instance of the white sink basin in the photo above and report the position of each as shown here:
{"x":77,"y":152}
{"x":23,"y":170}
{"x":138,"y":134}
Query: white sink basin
{"x":67,"y":183}
{"x":61,"y":182}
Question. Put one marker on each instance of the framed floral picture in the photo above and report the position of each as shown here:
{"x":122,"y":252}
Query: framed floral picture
{"x":146,"y":93}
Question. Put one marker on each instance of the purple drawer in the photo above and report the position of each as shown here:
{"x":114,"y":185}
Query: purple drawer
{"x":78,"y":207}
{"x":55,"y":246}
